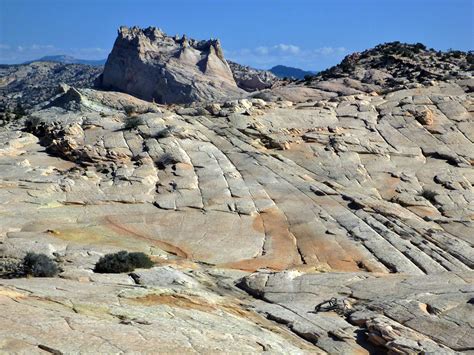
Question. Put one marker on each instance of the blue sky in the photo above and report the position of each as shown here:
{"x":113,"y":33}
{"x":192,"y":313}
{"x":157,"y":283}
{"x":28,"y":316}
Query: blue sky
{"x":310,"y":34}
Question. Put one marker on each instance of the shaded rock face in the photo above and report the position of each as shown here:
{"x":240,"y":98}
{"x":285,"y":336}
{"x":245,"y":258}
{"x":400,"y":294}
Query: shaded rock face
{"x":251,"y":79}
{"x":150,"y":65}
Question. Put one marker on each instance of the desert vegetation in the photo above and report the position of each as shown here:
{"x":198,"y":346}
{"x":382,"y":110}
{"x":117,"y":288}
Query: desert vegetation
{"x":122,"y":261}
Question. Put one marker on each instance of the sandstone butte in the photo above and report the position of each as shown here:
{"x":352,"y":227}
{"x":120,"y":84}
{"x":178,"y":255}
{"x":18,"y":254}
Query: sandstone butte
{"x":331,"y":215}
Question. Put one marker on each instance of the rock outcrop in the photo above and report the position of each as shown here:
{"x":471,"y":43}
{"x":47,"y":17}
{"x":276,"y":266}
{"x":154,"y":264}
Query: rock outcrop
{"x":150,"y":65}
{"x":394,"y":66}
{"x":331,"y":222}
{"x":251,"y":79}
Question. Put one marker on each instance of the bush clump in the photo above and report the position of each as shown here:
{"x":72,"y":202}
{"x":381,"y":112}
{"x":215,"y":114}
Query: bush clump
{"x":130,"y":110}
{"x":140,"y":260}
{"x":122,"y":261}
{"x":39,"y":265}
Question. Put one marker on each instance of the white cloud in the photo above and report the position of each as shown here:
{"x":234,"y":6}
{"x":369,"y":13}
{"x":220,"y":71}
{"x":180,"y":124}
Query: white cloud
{"x":288,"y":54}
{"x":281,"y":48}
{"x":287,"y":48}
{"x":261,"y":50}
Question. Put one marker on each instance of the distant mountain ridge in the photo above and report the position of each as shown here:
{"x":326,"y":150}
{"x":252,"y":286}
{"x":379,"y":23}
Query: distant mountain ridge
{"x":67,"y":59}
{"x":283,"y":71}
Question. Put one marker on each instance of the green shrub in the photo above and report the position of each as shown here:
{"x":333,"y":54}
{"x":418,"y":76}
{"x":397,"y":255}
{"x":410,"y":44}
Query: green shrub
{"x":122,"y":261}
{"x":39,"y":265}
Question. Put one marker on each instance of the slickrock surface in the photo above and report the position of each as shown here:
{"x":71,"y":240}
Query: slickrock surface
{"x":153,"y":66}
{"x":404,"y":314}
{"x":172,"y":310}
{"x":255,"y":212}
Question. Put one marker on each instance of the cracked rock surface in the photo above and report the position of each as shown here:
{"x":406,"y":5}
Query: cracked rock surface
{"x":255,"y":212}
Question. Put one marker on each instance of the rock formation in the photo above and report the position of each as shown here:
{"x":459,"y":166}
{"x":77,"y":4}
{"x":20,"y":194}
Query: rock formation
{"x":391,"y":66}
{"x":317,"y":221}
{"x":150,"y":65}
{"x":251,"y":79}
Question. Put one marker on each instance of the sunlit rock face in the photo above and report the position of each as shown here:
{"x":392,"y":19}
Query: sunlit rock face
{"x":332,"y":216}
{"x":153,"y":66}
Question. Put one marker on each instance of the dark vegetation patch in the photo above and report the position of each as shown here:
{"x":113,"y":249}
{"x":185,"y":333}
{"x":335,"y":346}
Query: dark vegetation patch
{"x":122,"y":261}
{"x":33,"y":265}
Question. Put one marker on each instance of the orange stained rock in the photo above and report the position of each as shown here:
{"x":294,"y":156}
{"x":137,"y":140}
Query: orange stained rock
{"x":193,"y":302}
{"x":127,"y":229}
{"x":423,"y":211}
{"x":284,"y":247}
{"x":110,"y":231}
{"x":279,"y":250}
{"x":12,"y":294}
{"x":337,"y":252}
{"x":232,"y":306}
{"x":387,"y":186}
{"x":180,"y":301}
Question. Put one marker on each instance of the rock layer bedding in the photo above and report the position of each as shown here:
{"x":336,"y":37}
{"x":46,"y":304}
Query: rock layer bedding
{"x":313,"y":221}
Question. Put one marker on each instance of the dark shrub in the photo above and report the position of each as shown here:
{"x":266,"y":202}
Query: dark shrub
{"x":132,"y":123}
{"x":11,"y":268}
{"x":140,"y":260}
{"x":39,"y":265}
{"x":419,"y":47}
{"x":114,"y":263}
{"x":470,"y":57}
{"x":165,"y":132}
{"x":165,"y":160}
{"x":130,"y":110}
{"x":430,"y":195}
{"x":456,"y":54}
{"x":122,"y":262}
{"x":19,"y":111}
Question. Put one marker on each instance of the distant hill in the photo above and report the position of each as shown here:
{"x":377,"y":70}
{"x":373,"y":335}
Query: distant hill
{"x":66,"y":59}
{"x":289,"y":72}
{"x":37,"y":82}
